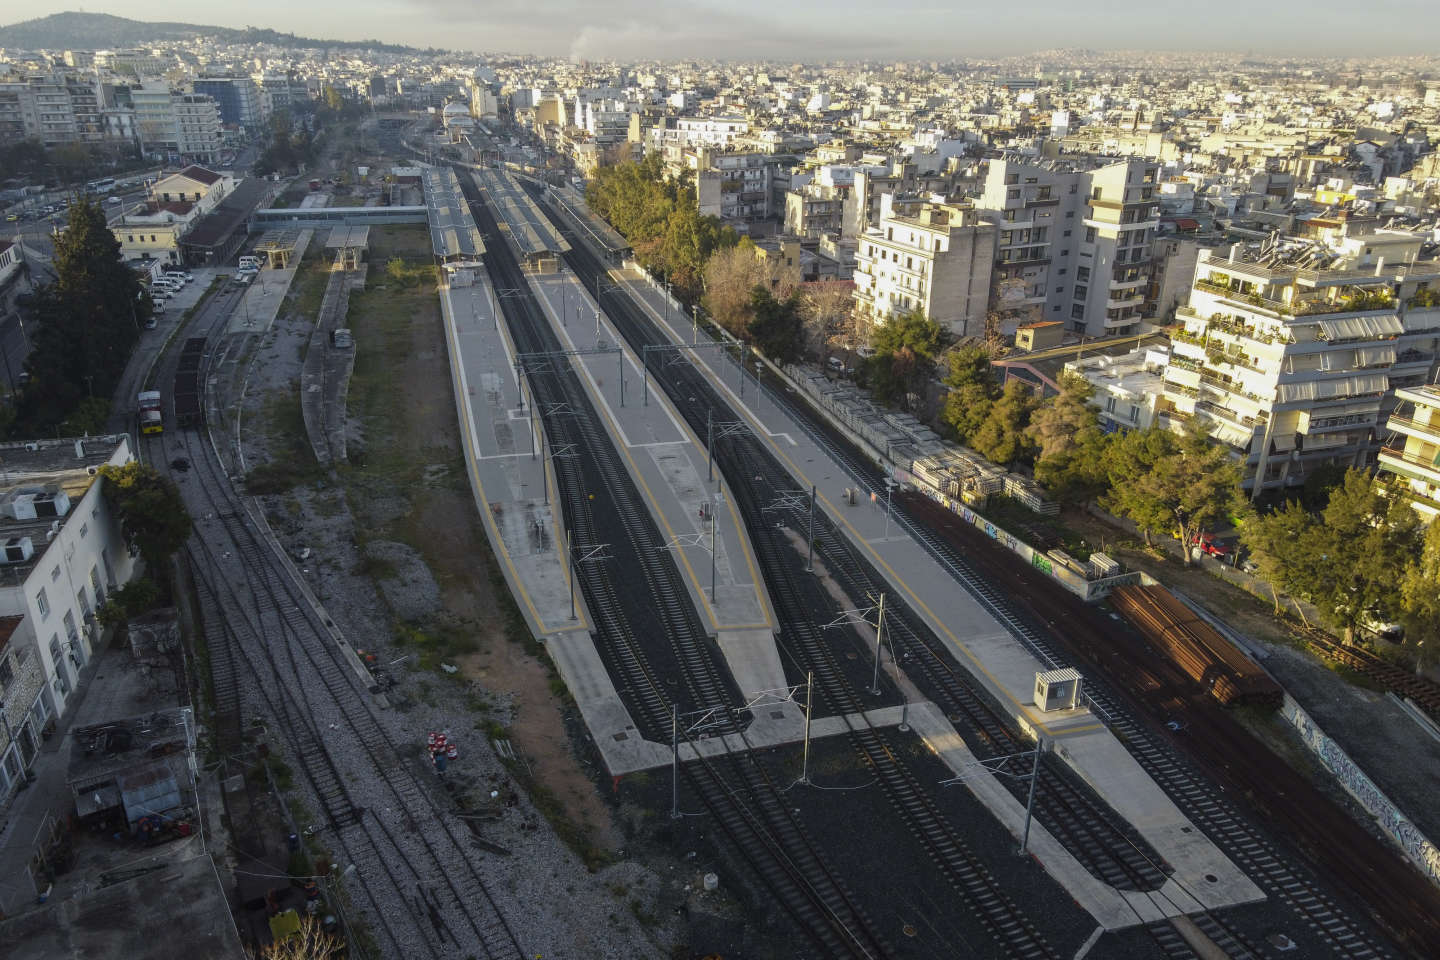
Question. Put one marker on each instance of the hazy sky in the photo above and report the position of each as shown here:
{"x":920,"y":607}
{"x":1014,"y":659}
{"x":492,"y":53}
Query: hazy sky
{"x":821,"y":29}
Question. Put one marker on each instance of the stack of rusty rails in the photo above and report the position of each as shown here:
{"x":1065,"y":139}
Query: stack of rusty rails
{"x":1403,"y":683}
{"x":187,"y":383}
{"x":1196,"y":647}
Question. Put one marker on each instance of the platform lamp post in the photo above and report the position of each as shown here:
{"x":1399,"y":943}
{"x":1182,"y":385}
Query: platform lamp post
{"x":674,"y":762}
{"x":889,"y":486}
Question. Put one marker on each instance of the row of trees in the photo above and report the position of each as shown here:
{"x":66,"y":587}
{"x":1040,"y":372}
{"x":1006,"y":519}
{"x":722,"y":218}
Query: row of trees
{"x":84,"y":327}
{"x":31,"y":162}
{"x":661,"y":221}
{"x":1362,"y":558}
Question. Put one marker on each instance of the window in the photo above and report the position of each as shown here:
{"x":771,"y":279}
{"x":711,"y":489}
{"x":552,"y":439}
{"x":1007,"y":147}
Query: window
{"x":1069,"y":214}
{"x":1077,"y":312}
{"x":1059,"y":289}
{"x":1082,"y":274}
{"x":1064,"y":253}
{"x":1032,"y":179}
{"x":1067,"y":233}
{"x":1074,"y":188}
{"x":1012,"y":194}
{"x":1061,"y":272}
{"x":42,"y":602}
{"x":1012,"y":178}
{"x":84,"y":529}
{"x":1089,"y":234}
{"x":1097,"y":194}
{"x":55,"y":573}
{"x":1055,"y":309}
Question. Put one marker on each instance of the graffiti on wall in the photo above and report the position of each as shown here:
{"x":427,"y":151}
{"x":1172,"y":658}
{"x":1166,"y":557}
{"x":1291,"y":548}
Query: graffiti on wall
{"x":1408,"y":836}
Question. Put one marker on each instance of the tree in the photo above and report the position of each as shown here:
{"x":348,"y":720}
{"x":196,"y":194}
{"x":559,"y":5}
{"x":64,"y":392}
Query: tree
{"x":1070,"y":444}
{"x":1196,"y":484}
{"x":152,"y":515}
{"x":1057,"y":424}
{"x":1420,"y":591}
{"x":828,"y":308}
{"x":1362,"y":547}
{"x":87,"y":322}
{"x":1283,"y":544}
{"x":971,"y":391}
{"x":311,"y":943}
{"x":1161,"y":481}
{"x":731,"y":276}
{"x":776,"y":326}
{"x":905,"y":349}
{"x":1003,"y":436}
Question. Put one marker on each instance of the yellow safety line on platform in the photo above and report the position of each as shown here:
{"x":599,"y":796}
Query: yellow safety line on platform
{"x":856,"y":536}
{"x":497,"y":540}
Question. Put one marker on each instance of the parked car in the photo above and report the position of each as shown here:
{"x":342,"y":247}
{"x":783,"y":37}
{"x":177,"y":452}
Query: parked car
{"x":1211,"y":544}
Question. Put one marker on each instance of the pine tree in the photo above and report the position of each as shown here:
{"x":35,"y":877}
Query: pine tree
{"x":87,"y":323}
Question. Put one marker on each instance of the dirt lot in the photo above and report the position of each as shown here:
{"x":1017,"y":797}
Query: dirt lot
{"x":408,"y":485}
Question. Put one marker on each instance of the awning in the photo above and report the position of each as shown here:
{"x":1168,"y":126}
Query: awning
{"x":1340,"y":387}
{"x":1374,"y":356}
{"x":1362,"y":328}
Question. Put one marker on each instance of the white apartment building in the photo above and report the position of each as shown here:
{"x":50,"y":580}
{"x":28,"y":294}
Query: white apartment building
{"x":708,"y":131}
{"x":1410,"y":454}
{"x":1074,"y":239}
{"x":52,"y":108}
{"x":187,"y":124}
{"x":61,"y":555}
{"x":1291,"y":352}
{"x":932,"y":256}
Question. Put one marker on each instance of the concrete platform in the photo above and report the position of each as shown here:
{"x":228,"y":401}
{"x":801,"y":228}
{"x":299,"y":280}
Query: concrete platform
{"x":259,"y":307}
{"x":508,"y":484}
{"x":669,"y":465}
{"x":977,"y":640}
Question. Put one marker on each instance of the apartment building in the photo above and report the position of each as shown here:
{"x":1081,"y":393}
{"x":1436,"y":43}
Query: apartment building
{"x":62,"y":555}
{"x":170,"y":121}
{"x":1290,"y":351}
{"x":708,"y":131}
{"x":237,"y":98}
{"x":936,"y":257}
{"x":817,"y":209}
{"x":53,"y":108}
{"x":737,"y":187}
{"x":1410,"y":454}
{"x":1074,"y":239}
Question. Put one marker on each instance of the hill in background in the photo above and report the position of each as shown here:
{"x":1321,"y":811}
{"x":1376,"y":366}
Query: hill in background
{"x":101,"y":31}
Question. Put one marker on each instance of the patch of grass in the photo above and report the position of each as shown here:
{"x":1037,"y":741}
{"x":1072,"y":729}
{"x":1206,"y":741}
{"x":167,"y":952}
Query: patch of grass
{"x":292,"y":461}
{"x":376,"y":568}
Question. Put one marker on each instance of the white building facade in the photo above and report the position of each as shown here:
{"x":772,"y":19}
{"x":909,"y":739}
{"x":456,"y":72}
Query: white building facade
{"x":63,"y":555}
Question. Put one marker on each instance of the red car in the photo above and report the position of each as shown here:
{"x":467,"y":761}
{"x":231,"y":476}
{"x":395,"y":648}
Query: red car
{"x":1212,"y":545}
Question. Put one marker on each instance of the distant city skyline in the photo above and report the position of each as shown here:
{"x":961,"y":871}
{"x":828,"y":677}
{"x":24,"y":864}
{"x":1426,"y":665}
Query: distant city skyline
{"x":813,"y":30}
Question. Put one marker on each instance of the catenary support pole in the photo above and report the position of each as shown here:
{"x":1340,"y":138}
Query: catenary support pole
{"x":810,"y":535}
{"x":1030,"y":802}
{"x":674,"y":763}
{"x":709,"y":446}
{"x":805,"y":757}
{"x":879,"y":636}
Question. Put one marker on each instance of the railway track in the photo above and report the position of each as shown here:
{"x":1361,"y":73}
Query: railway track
{"x":1001,"y":920}
{"x":1403,"y":683}
{"x":732,"y":787}
{"x":1192,"y":790}
{"x":267,"y":648}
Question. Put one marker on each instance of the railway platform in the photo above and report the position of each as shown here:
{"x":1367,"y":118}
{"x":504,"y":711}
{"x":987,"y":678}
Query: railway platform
{"x":261,"y":303}
{"x":978,"y":641}
{"x":684,"y":495}
{"x":522,"y":520}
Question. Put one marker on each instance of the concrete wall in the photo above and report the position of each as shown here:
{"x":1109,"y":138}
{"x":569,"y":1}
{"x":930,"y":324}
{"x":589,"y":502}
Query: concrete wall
{"x":1348,"y":774}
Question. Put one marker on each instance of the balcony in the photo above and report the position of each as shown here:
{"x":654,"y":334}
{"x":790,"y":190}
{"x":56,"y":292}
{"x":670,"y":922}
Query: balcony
{"x":1124,"y":300}
{"x":1414,"y":428}
{"x":1211,"y":409}
{"x":1410,"y":465}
